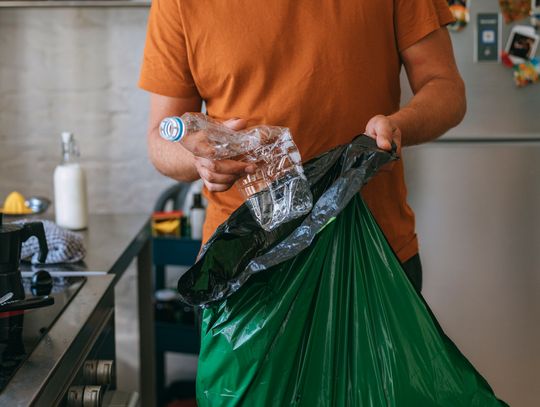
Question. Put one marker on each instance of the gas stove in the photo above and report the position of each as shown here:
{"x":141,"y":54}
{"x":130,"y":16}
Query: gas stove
{"x":21,"y":331}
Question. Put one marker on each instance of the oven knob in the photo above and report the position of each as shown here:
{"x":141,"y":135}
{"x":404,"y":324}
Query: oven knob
{"x":98,"y":372}
{"x":93,"y":396}
{"x":75,"y":396}
{"x":90,"y":372}
{"x":105,"y":372}
{"x":42,"y":283}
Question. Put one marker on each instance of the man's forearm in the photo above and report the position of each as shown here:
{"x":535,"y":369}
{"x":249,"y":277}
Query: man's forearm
{"x":439,"y":101}
{"x":171,"y":159}
{"x":437,"y":107}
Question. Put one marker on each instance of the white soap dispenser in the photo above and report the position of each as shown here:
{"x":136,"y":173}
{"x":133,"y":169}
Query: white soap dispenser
{"x":70,"y":198}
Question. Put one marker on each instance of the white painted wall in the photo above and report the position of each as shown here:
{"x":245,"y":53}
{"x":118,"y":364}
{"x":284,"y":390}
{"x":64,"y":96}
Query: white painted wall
{"x":76,"y":69}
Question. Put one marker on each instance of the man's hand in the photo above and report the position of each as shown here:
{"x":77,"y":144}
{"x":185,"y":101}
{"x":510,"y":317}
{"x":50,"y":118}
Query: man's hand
{"x":177,"y":162}
{"x":220,"y":175}
{"x":439,"y":101}
{"x":384,"y":131}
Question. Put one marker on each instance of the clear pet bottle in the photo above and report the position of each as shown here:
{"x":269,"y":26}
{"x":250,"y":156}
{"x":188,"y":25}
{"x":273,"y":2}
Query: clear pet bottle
{"x":278,"y":191}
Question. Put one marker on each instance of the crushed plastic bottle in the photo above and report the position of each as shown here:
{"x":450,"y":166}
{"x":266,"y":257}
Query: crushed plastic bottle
{"x":278,"y":191}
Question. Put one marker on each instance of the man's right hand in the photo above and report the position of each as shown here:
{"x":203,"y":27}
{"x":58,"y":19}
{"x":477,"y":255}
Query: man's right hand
{"x":220,"y":175}
{"x":179,"y":163}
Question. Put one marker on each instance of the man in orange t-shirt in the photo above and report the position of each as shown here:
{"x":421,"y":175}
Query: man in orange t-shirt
{"x":327,"y":70}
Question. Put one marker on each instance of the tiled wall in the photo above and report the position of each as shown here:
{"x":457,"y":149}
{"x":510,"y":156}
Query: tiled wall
{"x":75,"y":69}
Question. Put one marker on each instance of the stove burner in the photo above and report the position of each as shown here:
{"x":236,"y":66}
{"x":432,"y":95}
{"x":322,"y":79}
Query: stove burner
{"x":21,"y":331}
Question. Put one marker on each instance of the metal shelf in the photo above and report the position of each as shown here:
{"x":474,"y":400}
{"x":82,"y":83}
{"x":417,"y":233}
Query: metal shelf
{"x":75,"y":3}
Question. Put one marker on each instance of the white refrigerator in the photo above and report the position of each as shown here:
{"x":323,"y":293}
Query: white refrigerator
{"x":476,"y":194}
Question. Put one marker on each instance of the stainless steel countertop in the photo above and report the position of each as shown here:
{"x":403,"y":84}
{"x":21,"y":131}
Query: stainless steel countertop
{"x":112,"y":242}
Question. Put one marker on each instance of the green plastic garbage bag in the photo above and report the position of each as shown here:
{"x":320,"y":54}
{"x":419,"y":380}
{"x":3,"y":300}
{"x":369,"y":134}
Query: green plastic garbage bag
{"x":333,"y":321}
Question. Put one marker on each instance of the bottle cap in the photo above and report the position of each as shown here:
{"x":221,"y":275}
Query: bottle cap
{"x":67,"y":137}
{"x":172,"y":128}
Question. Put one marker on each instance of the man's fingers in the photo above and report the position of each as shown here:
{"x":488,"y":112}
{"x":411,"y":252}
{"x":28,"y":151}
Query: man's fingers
{"x":200,"y":148}
{"x":216,"y":178}
{"x":383,"y":131}
{"x":230,"y":167}
{"x":198,"y":143}
{"x":217,"y":187}
{"x":219,"y":176}
{"x":235,"y":124}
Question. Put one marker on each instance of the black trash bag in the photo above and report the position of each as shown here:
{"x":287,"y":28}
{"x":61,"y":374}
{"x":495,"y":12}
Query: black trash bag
{"x":240,"y":247}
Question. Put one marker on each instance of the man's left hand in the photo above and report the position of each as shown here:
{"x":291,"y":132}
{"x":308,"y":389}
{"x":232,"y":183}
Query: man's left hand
{"x":385,"y":131}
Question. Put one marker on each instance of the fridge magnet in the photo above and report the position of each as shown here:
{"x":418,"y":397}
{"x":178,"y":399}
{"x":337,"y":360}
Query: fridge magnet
{"x":505,"y":60}
{"x":527,"y":73}
{"x":522,"y":43}
{"x":460,"y":10}
{"x":488,"y":34}
{"x":513,"y":10}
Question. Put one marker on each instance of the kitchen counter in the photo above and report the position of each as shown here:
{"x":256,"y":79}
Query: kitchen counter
{"x":112,"y":243}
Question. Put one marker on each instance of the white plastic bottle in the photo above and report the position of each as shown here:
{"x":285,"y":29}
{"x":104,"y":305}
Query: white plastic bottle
{"x":70,"y":198}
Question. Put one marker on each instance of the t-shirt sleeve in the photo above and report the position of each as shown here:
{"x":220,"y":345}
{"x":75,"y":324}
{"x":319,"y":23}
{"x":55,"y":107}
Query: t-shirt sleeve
{"x":414,"y":19}
{"x":165,"y":67}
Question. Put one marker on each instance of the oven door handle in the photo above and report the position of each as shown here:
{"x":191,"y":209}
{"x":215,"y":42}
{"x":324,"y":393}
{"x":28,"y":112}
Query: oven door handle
{"x":29,"y":303}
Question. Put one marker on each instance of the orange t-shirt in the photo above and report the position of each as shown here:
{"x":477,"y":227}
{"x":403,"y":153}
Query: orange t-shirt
{"x":322,"y":68}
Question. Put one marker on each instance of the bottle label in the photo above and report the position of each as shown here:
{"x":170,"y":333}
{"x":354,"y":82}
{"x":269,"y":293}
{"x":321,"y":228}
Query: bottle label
{"x":172,"y":128}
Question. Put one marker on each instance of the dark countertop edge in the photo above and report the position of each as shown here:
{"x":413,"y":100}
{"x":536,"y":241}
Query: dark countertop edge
{"x":131,"y":251}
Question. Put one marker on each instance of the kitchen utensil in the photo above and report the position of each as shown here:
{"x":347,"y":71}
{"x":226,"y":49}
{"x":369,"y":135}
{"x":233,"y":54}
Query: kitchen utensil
{"x":6,"y":298}
{"x":29,"y":303}
{"x":37,"y":204}
{"x":11,"y":238}
{"x":15,"y":205}
{"x":42,"y":283}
